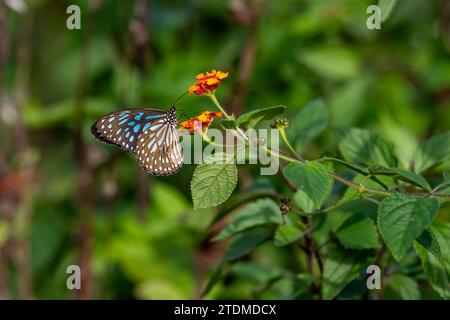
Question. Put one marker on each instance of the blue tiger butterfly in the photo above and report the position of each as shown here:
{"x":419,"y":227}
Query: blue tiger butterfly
{"x":150,"y":134}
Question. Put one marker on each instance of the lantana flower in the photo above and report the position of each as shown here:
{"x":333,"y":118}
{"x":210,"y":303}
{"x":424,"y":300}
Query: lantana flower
{"x":207,"y":83}
{"x":200,"y":122}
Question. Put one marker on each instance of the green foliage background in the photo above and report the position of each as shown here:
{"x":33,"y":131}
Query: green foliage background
{"x":67,"y":199}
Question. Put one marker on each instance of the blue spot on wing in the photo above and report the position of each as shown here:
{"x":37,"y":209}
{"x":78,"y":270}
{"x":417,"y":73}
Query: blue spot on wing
{"x":139,"y":116}
{"x":147,"y":125}
{"x":152,"y":117}
{"x":122,"y":128}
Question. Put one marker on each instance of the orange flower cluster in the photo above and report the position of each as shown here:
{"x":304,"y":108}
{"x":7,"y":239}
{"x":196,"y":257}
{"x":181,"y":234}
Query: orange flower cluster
{"x":207,"y":82}
{"x":200,"y":122}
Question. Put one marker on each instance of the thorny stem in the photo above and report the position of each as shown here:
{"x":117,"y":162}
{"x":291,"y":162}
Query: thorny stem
{"x":361,"y":187}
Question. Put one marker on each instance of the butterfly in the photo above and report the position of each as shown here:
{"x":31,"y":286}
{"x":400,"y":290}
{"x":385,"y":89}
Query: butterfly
{"x":150,"y":134}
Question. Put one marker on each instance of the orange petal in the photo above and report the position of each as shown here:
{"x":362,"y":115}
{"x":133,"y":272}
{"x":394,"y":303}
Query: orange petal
{"x":222,"y":75}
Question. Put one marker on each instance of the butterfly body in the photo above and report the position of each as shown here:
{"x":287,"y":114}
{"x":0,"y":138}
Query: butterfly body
{"x":150,"y":134}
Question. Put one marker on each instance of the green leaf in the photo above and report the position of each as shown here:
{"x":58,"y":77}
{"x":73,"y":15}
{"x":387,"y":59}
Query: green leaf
{"x":446,"y":175}
{"x":404,"y":175}
{"x":331,"y":62}
{"x":412,"y":178}
{"x":289,"y":232}
{"x":309,"y":123}
{"x":401,"y":287}
{"x":341,"y":267}
{"x":245,"y":242}
{"x":386,"y":6}
{"x":301,"y":286}
{"x":213,"y":183}
{"x":304,"y":202}
{"x":312,"y":178}
{"x":252,"y":118}
{"x":263,"y":211}
{"x":429,"y":241}
{"x":346,"y":102}
{"x":358,"y":232}
{"x":362,"y":170}
{"x":437,"y":271}
{"x":255,"y":272}
{"x":402,"y":218}
{"x":228,"y":124}
{"x":362,"y":146}
{"x":432,"y":152}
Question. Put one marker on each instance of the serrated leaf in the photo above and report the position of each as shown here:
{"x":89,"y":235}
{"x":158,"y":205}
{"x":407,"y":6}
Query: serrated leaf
{"x":402,"y":218}
{"x":212,"y":184}
{"x":255,"y":272}
{"x":263,"y":211}
{"x":289,"y":232}
{"x":245,"y":242}
{"x":304,"y":202}
{"x":401,"y":287}
{"x":341,"y":267}
{"x":386,"y":7}
{"x":309,"y":123}
{"x":429,"y":241}
{"x":432,"y":152}
{"x":252,"y":118}
{"x":364,"y":147}
{"x":437,"y":271}
{"x":412,"y":178}
{"x":358,"y":232}
{"x":403,"y":175}
{"x":312,"y":178}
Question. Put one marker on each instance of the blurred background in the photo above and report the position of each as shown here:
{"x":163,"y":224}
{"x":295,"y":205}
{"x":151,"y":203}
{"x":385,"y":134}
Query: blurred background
{"x":67,"y":199}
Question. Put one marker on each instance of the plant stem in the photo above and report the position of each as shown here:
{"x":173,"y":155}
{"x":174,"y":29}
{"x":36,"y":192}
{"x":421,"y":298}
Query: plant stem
{"x":288,"y":144}
{"x":217,"y":104}
{"x":361,"y":187}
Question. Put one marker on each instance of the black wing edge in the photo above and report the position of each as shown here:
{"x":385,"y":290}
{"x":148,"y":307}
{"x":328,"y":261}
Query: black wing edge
{"x":97,"y":135}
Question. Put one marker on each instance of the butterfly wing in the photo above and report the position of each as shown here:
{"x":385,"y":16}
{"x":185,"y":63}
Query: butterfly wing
{"x":122,"y":128}
{"x":150,"y":134}
{"x":158,"y":149}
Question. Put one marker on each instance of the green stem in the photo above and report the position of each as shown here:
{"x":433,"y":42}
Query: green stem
{"x":362,"y":188}
{"x":217,"y":104}
{"x":209,"y":141}
{"x":286,"y":141}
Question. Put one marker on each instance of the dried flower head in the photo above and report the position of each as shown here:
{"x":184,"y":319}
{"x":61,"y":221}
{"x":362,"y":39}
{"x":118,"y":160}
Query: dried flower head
{"x":280,"y":124}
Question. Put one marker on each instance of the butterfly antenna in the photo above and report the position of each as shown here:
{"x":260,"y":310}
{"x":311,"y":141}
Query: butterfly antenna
{"x":183,"y":114}
{"x":180,"y":97}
